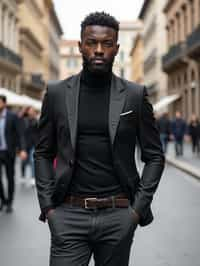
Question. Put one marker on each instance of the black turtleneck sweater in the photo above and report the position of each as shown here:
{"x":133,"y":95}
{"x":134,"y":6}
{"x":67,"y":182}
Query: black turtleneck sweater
{"x":94,"y":173}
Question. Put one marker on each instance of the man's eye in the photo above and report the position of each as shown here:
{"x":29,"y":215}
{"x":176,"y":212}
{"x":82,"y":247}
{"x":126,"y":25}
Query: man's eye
{"x":91,"y":42}
{"x":108,"y":44}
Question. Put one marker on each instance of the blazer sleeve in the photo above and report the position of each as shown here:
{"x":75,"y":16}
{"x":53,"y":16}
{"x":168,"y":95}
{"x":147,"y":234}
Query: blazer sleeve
{"x":45,"y":152}
{"x":151,"y":155}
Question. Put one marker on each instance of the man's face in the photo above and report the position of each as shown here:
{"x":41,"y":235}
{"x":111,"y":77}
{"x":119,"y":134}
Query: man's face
{"x":178,"y":115}
{"x":98,"y":48}
{"x":31,"y":112}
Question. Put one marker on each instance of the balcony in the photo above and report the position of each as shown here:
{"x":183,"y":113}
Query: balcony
{"x":175,"y":58}
{"x":34,"y":81}
{"x":9,"y":57}
{"x":193,"y":44}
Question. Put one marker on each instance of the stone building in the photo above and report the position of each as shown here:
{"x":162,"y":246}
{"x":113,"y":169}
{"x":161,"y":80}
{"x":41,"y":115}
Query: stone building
{"x":181,"y":62}
{"x":32,"y":46}
{"x":154,"y":40}
{"x":137,"y":60}
{"x":39,"y":45}
{"x":127,"y":33}
{"x":70,"y":58}
{"x":10,"y":60}
{"x":55,"y":32}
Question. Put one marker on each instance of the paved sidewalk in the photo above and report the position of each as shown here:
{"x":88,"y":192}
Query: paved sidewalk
{"x":189,"y":162}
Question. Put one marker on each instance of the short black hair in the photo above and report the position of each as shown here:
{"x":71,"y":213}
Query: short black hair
{"x":100,"y":19}
{"x":3,"y":98}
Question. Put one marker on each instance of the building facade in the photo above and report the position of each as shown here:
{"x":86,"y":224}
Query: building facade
{"x":154,"y":40}
{"x":32,"y":39}
{"x":10,"y":60}
{"x":55,"y":32}
{"x":70,"y":58}
{"x":137,"y":60}
{"x":127,"y":33}
{"x":182,"y":60}
{"x":39,"y":45}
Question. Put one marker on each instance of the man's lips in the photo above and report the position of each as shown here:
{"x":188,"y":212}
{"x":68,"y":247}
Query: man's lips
{"x":98,"y":61}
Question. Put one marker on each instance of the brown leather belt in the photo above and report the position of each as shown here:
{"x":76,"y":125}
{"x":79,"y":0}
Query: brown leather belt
{"x":98,"y":203}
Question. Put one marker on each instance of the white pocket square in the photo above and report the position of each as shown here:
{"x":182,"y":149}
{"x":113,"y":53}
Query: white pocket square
{"x":126,"y":113}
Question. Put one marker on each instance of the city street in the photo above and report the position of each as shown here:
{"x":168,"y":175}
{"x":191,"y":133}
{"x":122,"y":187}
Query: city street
{"x":171,"y":240}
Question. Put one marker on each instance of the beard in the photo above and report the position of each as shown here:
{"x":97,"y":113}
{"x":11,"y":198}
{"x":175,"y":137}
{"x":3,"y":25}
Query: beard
{"x":99,"y":69}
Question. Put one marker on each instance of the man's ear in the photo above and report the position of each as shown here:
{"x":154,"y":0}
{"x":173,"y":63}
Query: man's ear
{"x":79,"y":47}
{"x":117,"y":49}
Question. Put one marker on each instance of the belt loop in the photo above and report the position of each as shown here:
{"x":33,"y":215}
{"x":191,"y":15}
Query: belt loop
{"x":113,"y":201}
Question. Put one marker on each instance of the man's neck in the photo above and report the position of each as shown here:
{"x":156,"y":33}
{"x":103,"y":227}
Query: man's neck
{"x":96,"y":80}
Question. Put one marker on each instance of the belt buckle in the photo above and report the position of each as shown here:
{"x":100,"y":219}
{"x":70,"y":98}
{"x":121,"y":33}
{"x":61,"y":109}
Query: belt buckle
{"x":86,"y":203}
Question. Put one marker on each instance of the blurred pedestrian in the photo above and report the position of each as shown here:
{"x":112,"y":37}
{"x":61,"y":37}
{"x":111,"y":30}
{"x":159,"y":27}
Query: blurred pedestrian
{"x":178,"y":130}
{"x":11,"y":139}
{"x":29,"y":120}
{"x":31,"y":136}
{"x":94,"y":199}
{"x":193,"y":130}
{"x":163,"y":123}
{"x":23,"y":115}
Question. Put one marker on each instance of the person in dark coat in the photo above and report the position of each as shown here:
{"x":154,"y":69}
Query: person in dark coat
{"x":164,"y":128}
{"x":95,"y":198}
{"x":178,"y":130}
{"x":30,"y":123}
{"x":193,"y":129}
{"x":11,"y":140}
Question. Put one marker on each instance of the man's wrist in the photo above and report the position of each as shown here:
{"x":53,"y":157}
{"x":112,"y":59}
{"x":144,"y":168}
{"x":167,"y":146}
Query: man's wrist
{"x":136,"y":215}
{"x":49,"y":212}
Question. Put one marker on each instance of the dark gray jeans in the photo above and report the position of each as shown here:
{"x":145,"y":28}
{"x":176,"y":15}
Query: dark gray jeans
{"x":78,"y":233}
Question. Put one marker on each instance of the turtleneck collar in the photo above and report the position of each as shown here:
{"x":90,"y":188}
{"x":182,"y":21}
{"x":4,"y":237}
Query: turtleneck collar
{"x":93,"y":80}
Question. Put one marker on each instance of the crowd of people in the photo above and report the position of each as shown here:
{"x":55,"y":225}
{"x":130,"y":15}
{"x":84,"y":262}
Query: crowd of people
{"x":18,"y":134}
{"x":178,"y":130}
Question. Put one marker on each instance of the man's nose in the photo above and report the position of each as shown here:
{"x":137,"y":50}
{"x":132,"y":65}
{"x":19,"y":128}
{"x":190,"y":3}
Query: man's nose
{"x":99,"y":49}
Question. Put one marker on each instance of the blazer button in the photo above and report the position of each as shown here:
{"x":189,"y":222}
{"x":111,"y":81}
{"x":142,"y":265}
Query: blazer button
{"x":71,"y":163}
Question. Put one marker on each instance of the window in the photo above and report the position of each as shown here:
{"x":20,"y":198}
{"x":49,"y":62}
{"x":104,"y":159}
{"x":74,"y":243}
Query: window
{"x":185,"y":20}
{"x":192,"y":15}
{"x":71,"y":50}
{"x":72,"y":63}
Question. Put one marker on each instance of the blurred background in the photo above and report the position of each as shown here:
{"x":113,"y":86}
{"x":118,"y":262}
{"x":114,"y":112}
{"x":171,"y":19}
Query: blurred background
{"x":160,"y":48}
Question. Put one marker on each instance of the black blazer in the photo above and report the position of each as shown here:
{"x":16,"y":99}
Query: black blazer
{"x":57,"y":138}
{"x":14,"y":134}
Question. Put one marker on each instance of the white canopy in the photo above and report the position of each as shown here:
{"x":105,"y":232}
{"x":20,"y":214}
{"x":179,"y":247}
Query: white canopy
{"x":15,"y":99}
{"x":12,"y":97}
{"x":32,"y":102}
{"x":165,"y":101}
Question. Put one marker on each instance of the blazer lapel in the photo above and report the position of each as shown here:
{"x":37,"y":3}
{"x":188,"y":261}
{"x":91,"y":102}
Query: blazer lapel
{"x":117,"y":100}
{"x":72,"y":98}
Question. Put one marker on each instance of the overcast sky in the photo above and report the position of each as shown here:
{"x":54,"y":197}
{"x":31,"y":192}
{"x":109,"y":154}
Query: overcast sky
{"x":72,"y":12}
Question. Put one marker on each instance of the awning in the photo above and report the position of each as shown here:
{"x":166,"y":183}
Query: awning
{"x":14,"y":99}
{"x":32,"y":102}
{"x":165,"y":101}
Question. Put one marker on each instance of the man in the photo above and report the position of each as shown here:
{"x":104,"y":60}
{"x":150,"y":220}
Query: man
{"x":164,"y":129}
{"x":11,"y":139}
{"x":178,"y":129}
{"x":30,"y":128}
{"x":95,"y":199}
